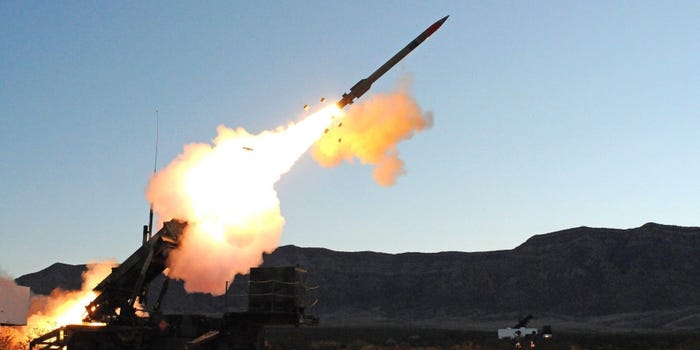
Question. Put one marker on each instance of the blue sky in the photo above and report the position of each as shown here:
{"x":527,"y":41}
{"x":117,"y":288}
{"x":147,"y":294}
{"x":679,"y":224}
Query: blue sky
{"x":548,"y":115}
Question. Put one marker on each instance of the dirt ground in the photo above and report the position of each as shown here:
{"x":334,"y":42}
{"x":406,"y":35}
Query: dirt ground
{"x":405,"y":338}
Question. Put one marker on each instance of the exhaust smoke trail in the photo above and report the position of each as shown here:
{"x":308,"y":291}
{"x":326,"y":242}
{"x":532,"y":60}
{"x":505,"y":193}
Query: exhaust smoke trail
{"x":225,"y":190}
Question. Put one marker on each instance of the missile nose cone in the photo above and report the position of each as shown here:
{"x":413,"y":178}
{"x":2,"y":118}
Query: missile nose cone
{"x":435,"y":26}
{"x":441,"y":21}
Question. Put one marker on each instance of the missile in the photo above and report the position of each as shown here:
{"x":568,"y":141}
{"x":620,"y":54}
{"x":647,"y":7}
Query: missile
{"x":365,"y":84}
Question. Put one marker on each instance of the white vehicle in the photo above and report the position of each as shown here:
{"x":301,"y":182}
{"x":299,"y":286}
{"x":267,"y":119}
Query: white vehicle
{"x":520,"y":331}
{"x":515,"y":333}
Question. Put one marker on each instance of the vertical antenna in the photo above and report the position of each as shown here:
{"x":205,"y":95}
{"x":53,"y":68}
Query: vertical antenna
{"x":155,"y":165}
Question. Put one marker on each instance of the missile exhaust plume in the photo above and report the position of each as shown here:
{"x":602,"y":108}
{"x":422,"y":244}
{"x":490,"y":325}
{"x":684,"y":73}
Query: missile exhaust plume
{"x":225,"y":190}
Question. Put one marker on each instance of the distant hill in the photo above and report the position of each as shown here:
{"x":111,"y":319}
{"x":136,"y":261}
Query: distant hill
{"x":58,"y":275}
{"x":580,"y":278}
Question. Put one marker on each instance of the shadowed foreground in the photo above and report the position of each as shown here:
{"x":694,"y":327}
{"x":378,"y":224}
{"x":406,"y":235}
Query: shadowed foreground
{"x":408,"y":338}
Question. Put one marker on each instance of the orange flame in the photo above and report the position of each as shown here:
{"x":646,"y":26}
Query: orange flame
{"x":61,"y":307}
{"x":371,"y":131}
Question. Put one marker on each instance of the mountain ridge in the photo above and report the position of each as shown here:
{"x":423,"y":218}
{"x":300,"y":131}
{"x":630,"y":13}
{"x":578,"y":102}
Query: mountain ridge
{"x":580,"y":277}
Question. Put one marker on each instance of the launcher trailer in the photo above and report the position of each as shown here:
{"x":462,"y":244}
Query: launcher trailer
{"x":116,"y":321}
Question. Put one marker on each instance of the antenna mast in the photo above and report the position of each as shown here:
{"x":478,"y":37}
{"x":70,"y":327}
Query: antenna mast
{"x":148,"y":230}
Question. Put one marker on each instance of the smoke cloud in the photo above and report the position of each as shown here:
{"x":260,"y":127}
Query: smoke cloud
{"x":371,"y":131}
{"x":4,"y":274}
{"x":224,"y":190}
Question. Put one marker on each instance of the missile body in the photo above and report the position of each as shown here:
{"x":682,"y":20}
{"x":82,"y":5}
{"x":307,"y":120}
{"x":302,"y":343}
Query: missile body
{"x":365,"y":84}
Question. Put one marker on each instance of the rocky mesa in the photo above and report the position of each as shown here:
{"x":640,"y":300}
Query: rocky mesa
{"x":580,"y":278}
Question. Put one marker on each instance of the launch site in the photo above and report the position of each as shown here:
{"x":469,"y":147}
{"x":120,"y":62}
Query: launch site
{"x":372,"y":175}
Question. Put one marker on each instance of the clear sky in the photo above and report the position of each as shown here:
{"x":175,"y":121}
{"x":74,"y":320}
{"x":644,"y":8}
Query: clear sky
{"x":548,"y":115}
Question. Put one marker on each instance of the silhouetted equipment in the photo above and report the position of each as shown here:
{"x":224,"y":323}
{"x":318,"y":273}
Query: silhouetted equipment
{"x":277,"y":289}
{"x":116,"y":320}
